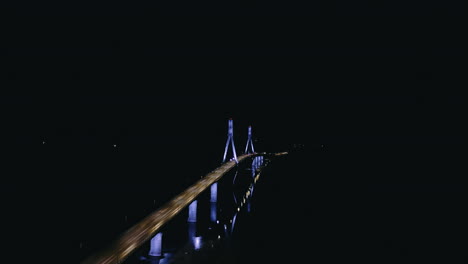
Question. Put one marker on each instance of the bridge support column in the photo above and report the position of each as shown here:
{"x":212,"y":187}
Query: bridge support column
{"x":213,"y":212}
{"x":213,"y":202}
{"x":192,"y":212}
{"x":214,"y":193}
{"x":156,"y":246}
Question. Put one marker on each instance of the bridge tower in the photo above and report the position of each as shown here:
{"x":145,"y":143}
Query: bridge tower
{"x":230,"y":139}
{"x":249,"y":148}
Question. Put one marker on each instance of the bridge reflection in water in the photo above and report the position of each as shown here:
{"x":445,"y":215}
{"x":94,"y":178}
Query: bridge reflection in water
{"x":195,"y":224}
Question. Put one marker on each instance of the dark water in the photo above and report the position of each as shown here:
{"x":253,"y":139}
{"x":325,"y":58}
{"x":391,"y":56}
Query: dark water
{"x":361,"y":204}
{"x":325,"y":204}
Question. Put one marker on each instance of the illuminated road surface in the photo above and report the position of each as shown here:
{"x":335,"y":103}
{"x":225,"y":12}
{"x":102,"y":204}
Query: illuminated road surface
{"x":134,"y":237}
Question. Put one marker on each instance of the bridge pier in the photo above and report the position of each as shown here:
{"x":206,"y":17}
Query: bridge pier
{"x":213,"y":212}
{"x":213,"y":202}
{"x":156,"y":246}
{"x":192,"y":212}
{"x":214,"y":192}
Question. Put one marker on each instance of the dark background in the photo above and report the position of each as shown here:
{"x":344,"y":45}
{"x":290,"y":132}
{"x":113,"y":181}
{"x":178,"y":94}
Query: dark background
{"x":371,"y":90}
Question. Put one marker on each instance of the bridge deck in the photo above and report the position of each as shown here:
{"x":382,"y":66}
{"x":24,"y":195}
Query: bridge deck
{"x":134,"y":237}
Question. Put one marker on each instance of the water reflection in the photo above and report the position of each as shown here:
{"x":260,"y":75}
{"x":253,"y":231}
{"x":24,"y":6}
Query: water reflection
{"x":234,"y":178}
{"x":193,"y":239}
{"x":233,"y":222}
{"x":154,"y":260}
{"x":256,"y":164}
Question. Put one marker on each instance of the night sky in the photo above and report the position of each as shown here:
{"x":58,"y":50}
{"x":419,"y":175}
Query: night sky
{"x":338,"y":77}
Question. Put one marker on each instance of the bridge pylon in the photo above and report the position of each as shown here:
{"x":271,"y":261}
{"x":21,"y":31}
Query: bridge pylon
{"x":249,"y":148}
{"x":230,"y":140}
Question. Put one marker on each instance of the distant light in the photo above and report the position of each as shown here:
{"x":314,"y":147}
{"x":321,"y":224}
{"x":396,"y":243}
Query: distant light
{"x":115,"y":145}
{"x":43,"y":142}
{"x":219,"y":236}
{"x":217,"y":221}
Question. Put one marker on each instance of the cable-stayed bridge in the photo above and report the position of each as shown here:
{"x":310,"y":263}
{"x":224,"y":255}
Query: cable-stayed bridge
{"x":143,"y":242}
